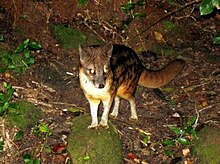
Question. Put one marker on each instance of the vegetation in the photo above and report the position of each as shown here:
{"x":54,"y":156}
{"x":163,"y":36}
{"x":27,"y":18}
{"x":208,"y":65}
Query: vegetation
{"x":184,"y":135}
{"x":20,"y":59}
{"x":5,"y":99}
{"x":28,"y":159}
{"x":207,"y":6}
{"x":129,"y":9}
{"x":42,"y":129}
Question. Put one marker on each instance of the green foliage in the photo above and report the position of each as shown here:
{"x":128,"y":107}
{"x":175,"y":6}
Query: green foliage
{"x":207,"y":6}
{"x":19,"y":135}
{"x":82,"y":2}
{"x":1,"y":38}
{"x":1,"y":146}
{"x":129,"y":10}
{"x":183,"y":135}
{"x":28,"y":159}
{"x":42,"y":129}
{"x":5,"y":99}
{"x":168,"y":25}
{"x":217,"y":39}
{"x":20,"y":59}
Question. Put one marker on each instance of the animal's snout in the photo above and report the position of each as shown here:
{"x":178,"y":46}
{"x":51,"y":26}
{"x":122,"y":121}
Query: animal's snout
{"x":101,"y":86}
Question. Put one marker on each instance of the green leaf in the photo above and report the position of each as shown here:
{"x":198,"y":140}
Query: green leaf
{"x":140,"y":3}
{"x":1,"y":38}
{"x":176,"y":130}
{"x":6,"y":105}
{"x":216,"y":3}
{"x":20,"y":48}
{"x":183,"y":141}
{"x":14,"y":106}
{"x":82,"y":2}
{"x":169,"y":153}
{"x":2,"y":70}
{"x":31,"y":60}
{"x":36,"y":161}
{"x":217,"y":39}
{"x":86,"y":158}
{"x":206,"y":7}
{"x":35,"y":46}
{"x":27,"y":54}
{"x":2,"y":111}
{"x":27,"y":158}
{"x":1,"y":146}
{"x":2,"y":97}
{"x":19,"y":135}
{"x":26,"y":42}
{"x":44,"y":128}
{"x":190,"y":122}
{"x":11,"y":67}
{"x":130,"y":5}
{"x":168,"y":142}
{"x":10,"y":93}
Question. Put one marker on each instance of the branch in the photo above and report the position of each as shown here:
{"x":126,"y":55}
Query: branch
{"x":168,"y":14}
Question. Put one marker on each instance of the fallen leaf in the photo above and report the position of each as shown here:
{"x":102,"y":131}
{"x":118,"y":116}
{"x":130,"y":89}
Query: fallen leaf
{"x":158,"y":36}
{"x":131,"y":156}
{"x":185,"y":152}
{"x":59,"y":148}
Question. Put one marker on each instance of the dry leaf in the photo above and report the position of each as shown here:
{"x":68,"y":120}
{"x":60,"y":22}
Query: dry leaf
{"x":158,"y":36}
{"x":185,"y":152}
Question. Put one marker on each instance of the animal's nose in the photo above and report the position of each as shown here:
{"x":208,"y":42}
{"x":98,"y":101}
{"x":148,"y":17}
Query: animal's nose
{"x":101,"y":86}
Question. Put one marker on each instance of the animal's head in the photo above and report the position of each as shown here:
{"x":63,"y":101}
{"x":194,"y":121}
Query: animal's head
{"x":95,"y":62}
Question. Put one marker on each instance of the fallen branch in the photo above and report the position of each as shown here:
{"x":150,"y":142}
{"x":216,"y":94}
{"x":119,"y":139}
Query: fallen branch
{"x":168,"y":14}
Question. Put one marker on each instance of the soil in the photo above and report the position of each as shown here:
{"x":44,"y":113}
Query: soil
{"x":52,"y":82}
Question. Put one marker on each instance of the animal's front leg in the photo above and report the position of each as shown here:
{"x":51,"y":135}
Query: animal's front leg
{"x":94,"y":105}
{"x":107,"y":105}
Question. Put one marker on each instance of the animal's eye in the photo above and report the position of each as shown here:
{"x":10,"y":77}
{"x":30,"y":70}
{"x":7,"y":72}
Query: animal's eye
{"x":106,"y":69}
{"x":91,"y":71}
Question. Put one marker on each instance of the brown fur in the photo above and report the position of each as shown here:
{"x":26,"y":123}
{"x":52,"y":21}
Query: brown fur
{"x":112,"y":72}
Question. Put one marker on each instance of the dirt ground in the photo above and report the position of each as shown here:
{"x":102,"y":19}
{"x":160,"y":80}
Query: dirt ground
{"x":52,"y":83}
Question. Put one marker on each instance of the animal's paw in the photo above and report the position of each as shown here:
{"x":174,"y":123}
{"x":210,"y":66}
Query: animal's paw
{"x":112,"y":115}
{"x":104,"y":124}
{"x":133,"y":119}
{"x":93,"y":126}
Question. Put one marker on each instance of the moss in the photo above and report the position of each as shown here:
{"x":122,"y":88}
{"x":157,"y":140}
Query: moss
{"x":165,"y":50}
{"x":71,"y":38}
{"x":206,"y":148}
{"x":93,"y":146}
{"x":26,"y":115}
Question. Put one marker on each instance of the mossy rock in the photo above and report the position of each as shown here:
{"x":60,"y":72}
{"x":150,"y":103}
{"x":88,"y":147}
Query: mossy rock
{"x":25,"y":116}
{"x":207,"y":147}
{"x":93,"y":146}
{"x":71,"y":38}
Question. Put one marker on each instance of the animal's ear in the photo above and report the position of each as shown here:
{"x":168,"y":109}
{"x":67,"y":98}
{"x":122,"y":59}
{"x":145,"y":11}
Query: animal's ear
{"x":108,"y":48}
{"x":81,"y":53}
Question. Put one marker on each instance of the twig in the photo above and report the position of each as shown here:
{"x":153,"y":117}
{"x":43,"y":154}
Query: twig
{"x":168,"y":14}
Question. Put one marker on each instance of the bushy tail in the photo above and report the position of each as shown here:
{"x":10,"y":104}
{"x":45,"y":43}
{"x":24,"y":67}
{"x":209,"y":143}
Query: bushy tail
{"x":155,"y":79}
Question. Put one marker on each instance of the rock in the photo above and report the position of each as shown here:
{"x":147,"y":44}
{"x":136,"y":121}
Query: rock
{"x":207,"y":147}
{"x":93,"y":146}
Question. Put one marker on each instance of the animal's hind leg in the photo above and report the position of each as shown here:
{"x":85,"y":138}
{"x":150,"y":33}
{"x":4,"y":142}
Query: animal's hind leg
{"x":133,"y":108}
{"x":114,"y":112}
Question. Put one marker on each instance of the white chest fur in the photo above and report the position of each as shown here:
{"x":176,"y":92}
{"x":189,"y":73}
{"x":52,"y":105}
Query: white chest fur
{"x":90,"y":89}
